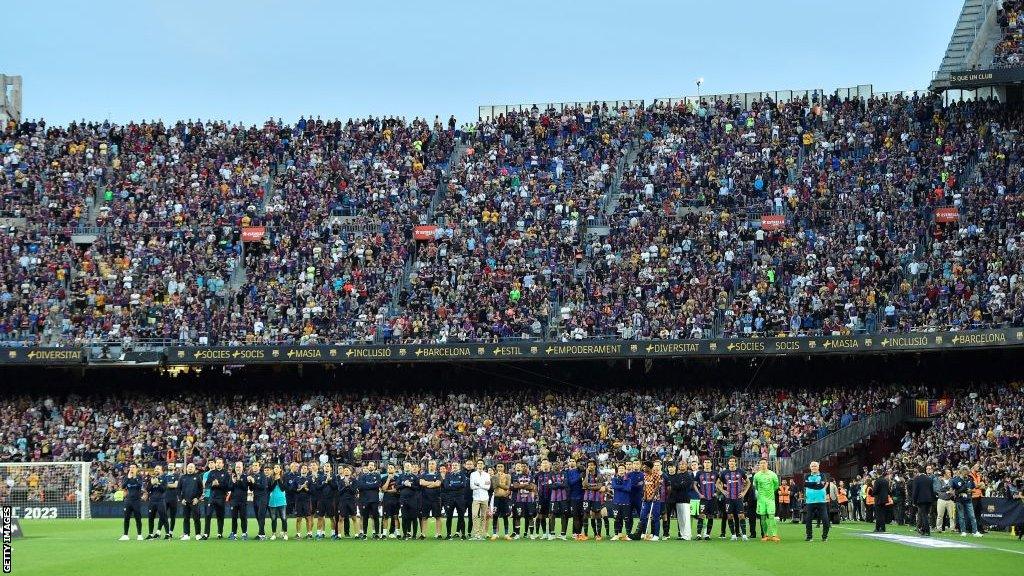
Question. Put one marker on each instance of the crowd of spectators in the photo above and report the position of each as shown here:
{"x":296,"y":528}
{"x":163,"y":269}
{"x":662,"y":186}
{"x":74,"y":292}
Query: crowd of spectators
{"x":587,"y":222}
{"x":344,"y":204}
{"x":1010,"y":48}
{"x":34,"y":270}
{"x":511,"y":224}
{"x":166,"y":284}
{"x":855,"y":185}
{"x":49,"y":175}
{"x":983,"y":426}
{"x":357,"y":425}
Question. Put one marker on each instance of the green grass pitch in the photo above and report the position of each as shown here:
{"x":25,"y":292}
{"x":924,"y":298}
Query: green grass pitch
{"x":69,"y":547}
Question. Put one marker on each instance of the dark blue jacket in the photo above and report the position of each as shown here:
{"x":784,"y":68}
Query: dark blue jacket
{"x":219,"y":492}
{"x":455,"y":483}
{"x":156,"y":489}
{"x":408,"y":485}
{"x":430,"y":493}
{"x":369,"y":488}
{"x":347,"y":488}
{"x":622,"y":489}
{"x":962,"y":487}
{"x":261,"y":487}
{"x":190,"y":486}
{"x":240,"y":489}
{"x":636,"y":479}
{"x":133,"y":488}
{"x":171,"y":494}
{"x":574,"y":480}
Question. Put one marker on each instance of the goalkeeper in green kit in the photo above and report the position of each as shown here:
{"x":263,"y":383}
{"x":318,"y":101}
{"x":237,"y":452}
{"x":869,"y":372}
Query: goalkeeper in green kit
{"x":766,"y":484}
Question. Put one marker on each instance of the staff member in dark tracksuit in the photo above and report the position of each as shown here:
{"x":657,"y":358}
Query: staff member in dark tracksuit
{"x":290,"y":481}
{"x":430,"y":499}
{"x":132,"y":486}
{"x":171,"y":478}
{"x":674,"y":499}
{"x":303,"y":502}
{"x":636,"y":496}
{"x":409,"y":500}
{"x":622,"y":496}
{"x":347,"y":498}
{"x":239,"y":502}
{"x":369,"y":500}
{"x":190,"y":491}
{"x":218,"y":482}
{"x":453,"y":497}
{"x":262,"y":484}
{"x":157,"y":504}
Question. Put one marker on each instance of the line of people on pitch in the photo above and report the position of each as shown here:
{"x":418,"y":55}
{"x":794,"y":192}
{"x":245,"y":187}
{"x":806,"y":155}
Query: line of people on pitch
{"x":469,"y":499}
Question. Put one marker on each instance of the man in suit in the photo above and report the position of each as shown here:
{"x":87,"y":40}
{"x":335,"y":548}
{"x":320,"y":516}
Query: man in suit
{"x":880,"y":491}
{"x":922,"y":494}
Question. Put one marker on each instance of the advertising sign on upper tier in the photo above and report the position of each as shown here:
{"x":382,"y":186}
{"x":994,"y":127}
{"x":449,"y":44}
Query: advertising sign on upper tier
{"x":533,"y":350}
{"x":596,"y":349}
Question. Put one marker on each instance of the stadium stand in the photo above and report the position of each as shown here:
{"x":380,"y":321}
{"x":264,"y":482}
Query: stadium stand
{"x":981,"y":427}
{"x":373,"y":425}
{"x":813,"y":216}
{"x":341,"y":214}
{"x":1010,"y":50}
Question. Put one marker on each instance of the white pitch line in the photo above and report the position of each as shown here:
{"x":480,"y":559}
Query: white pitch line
{"x":973,"y":544}
{"x":1002,"y":549}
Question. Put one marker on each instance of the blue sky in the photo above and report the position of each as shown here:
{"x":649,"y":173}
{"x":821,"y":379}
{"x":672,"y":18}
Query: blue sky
{"x":254,"y":59}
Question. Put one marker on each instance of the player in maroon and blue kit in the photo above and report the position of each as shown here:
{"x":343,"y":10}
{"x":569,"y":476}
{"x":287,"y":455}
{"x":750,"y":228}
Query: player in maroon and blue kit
{"x":665,"y":489}
{"x":593,"y":499}
{"x":559,"y":502}
{"x":707,"y":486}
{"x":607,"y":505}
{"x":524,"y":501}
{"x":543,"y":483}
{"x":734,"y":484}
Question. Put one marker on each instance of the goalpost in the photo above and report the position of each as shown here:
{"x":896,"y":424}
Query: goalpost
{"x":45,"y":490}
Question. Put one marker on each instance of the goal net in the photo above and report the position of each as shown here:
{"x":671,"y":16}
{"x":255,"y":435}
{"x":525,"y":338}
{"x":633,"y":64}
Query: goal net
{"x":45,"y":489}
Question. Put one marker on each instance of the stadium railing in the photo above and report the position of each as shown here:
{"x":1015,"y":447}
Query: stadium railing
{"x":746,"y":99}
{"x":843,"y":438}
{"x":493,"y":111}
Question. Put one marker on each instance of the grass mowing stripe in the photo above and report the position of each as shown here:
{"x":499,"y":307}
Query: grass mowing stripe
{"x":70,"y":547}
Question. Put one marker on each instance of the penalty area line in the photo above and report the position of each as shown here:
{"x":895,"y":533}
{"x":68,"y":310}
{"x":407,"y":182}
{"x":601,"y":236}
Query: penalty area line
{"x":971,"y":544}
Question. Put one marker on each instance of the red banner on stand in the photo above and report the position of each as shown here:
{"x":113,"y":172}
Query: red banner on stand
{"x":947,"y":215}
{"x":772,"y":222}
{"x":253,"y":233}
{"x":424,"y":232}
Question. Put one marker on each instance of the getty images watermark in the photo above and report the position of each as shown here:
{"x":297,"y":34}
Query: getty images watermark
{"x":6,"y":513}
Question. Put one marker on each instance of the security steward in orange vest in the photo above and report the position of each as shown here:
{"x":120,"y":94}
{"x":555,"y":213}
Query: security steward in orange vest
{"x":844,"y":502}
{"x":976,"y":494}
{"x":785,"y":493}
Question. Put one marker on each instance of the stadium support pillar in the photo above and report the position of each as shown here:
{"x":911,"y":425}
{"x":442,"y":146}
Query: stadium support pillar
{"x":1013,"y":94}
{"x":10,"y":98}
